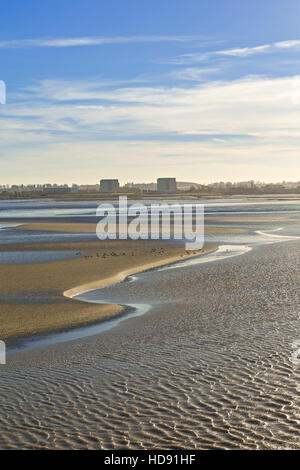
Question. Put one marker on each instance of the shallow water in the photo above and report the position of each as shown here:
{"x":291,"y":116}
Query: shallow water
{"x":40,"y":256}
{"x":13,"y":213}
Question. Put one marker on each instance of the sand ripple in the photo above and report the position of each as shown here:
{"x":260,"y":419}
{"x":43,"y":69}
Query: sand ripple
{"x":209,"y":367}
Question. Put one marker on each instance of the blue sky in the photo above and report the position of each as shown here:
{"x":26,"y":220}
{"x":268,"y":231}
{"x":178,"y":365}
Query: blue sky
{"x":200,"y":90}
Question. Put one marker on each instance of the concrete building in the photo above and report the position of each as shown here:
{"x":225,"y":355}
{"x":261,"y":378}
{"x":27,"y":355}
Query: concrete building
{"x":166,"y":185}
{"x":145,"y":187}
{"x":57,"y":190}
{"x":109,"y":186}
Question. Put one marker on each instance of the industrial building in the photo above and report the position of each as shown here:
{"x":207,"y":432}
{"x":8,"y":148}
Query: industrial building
{"x":166,"y":185}
{"x":109,"y":186}
{"x":57,"y":190}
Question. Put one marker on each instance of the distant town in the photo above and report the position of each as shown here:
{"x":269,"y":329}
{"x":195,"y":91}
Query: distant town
{"x":161,"y":186}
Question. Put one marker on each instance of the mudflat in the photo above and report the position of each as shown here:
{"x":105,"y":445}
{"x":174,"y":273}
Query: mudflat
{"x":32,"y":299}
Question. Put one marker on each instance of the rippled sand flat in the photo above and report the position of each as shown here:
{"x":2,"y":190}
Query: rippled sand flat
{"x":208,"y":367}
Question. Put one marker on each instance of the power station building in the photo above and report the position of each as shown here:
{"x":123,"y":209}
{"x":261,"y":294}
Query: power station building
{"x":57,"y":190}
{"x":109,"y":186}
{"x":166,"y":185}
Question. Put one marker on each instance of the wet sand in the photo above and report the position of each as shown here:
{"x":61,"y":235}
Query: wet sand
{"x":207,"y":368}
{"x":91,"y":228}
{"x":252,"y":219}
{"x":32,"y":299}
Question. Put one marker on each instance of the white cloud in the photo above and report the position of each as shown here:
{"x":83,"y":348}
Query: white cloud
{"x":250,"y":106}
{"x":193,"y":73}
{"x":288,"y":44}
{"x":246,"y":125}
{"x":238,"y":52}
{"x":244,"y":51}
{"x":92,"y":41}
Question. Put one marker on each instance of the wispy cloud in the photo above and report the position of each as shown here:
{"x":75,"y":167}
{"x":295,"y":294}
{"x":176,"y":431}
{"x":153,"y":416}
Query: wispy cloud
{"x":92,"y":41}
{"x":295,"y":44}
{"x":196,"y":74}
{"x":239,"y":52}
{"x":244,"y":51}
{"x":253,"y":106}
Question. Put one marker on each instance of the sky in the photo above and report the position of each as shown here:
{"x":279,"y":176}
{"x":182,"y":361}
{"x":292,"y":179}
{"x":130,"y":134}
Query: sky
{"x":199,"y":90}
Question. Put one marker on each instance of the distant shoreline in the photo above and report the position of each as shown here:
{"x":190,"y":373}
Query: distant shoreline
{"x":136,"y":196}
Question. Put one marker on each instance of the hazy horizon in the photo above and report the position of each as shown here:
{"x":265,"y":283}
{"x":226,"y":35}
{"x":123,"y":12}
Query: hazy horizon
{"x":123,"y":182}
